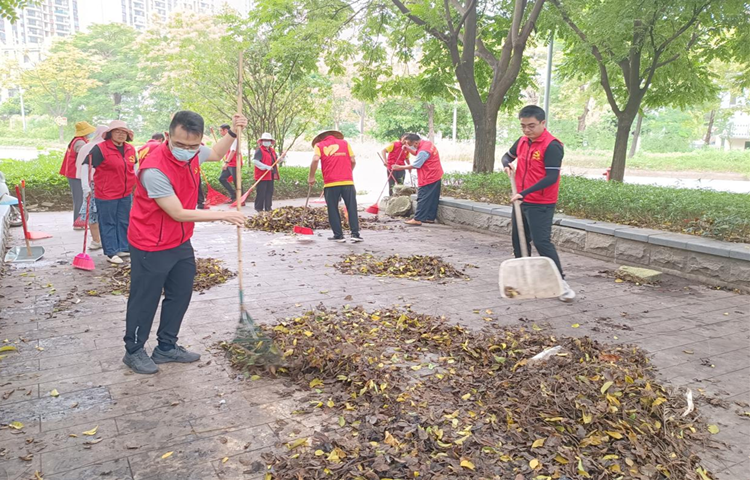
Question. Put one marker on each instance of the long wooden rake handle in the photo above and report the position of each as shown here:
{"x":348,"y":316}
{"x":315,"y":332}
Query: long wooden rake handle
{"x":519,"y":217}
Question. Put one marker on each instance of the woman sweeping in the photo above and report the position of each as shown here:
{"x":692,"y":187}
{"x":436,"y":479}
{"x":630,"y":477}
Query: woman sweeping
{"x":96,"y":239}
{"x":265,"y":157}
{"x":113,"y":161}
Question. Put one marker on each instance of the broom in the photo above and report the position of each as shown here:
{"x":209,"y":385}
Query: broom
{"x":298,"y":229}
{"x":256,"y":348}
{"x":375,"y":208}
{"x":83,"y":261}
{"x":213,"y":197}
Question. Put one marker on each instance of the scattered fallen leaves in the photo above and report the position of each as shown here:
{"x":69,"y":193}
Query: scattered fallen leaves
{"x":408,"y":395}
{"x":91,"y":432}
{"x":284,"y":219}
{"x":210,"y":272}
{"x":423,"y":267}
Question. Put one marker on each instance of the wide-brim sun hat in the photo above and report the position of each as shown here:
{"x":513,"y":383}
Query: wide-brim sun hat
{"x":266,"y":137}
{"x":115,"y":124}
{"x":83,"y":129}
{"x":326,"y":133}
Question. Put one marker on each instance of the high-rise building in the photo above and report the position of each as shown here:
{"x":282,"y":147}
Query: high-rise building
{"x":36,"y":25}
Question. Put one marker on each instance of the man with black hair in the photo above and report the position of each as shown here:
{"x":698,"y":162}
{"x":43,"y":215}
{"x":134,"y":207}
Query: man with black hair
{"x":538,"y":158}
{"x":429,"y":176}
{"x":229,"y":169}
{"x":161,"y":225}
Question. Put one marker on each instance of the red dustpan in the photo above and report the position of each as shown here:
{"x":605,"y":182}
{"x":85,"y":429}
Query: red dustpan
{"x":29,"y":234}
{"x":304,"y":230}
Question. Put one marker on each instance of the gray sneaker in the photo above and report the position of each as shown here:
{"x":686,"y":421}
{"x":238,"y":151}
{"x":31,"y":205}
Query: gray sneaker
{"x":140,"y":362}
{"x":177,"y":354}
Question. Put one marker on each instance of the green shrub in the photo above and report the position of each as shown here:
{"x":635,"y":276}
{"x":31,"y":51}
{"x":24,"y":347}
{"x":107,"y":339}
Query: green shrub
{"x":705,"y":213}
{"x":45,"y":184}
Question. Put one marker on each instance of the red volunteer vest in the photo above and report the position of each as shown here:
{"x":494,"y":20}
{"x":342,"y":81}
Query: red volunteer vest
{"x":335,"y":162}
{"x":269,"y":158}
{"x":432,"y":170}
{"x":530,"y":169}
{"x":151,"y":229}
{"x":150,"y":146}
{"x":115,"y":177}
{"x":68,"y":167}
{"x":231,"y":158}
{"x":398,"y":155}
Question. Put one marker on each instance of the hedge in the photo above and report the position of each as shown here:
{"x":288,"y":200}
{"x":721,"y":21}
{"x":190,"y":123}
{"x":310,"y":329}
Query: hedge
{"x":707,"y":213}
{"x":45,"y":184}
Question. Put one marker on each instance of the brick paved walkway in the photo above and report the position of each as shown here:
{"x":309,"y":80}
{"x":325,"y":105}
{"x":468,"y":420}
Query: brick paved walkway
{"x":217,"y":427}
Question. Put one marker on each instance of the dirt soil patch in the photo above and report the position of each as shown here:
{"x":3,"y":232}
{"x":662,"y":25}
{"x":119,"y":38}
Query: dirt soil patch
{"x":413,"y":396}
{"x":417,"y":267}
{"x":284,"y":219}
{"x":210,"y":273}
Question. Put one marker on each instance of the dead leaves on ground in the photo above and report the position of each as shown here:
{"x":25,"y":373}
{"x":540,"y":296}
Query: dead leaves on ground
{"x":412,"y":396}
{"x":284,"y":219}
{"x":210,"y":272}
{"x":419,"y":267}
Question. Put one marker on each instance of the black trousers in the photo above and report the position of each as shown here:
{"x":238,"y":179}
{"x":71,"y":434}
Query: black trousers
{"x":428,"y":197}
{"x":397,"y":176}
{"x":264,"y":196}
{"x":537,"y":224}
{"x":332,"y":196}
{"x":173,"y":272}
{"x":201,"y":195}
{"x":224,"y":180}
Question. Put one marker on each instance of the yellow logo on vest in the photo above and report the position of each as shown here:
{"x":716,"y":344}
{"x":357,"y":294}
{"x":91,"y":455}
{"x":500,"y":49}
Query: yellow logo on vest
{"x":131,"y":159}
{"x":330,"y":150}
{"x":537,"y":155}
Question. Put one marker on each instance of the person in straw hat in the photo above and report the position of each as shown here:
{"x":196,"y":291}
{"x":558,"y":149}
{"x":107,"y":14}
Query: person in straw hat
{"x":84,"y":132}
{"x":264,"y":159}
{"x":113,"y":161}
{"x":337,"y":165}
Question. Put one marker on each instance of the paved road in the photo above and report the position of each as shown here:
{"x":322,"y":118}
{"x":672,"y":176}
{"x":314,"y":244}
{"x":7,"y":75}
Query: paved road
{"x":202,"y":415}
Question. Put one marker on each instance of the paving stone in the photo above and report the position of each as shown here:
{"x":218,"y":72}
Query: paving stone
{"x":640,"y":275}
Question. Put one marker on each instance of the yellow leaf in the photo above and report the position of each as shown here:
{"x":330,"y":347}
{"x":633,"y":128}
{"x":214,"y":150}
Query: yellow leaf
{"x":315,"y":382}
{"x":92,"y":431}
{"x":560,"y":459}
{"x":319,"y":453}
{"x":8,"y":348}
{"x":534,"y":464}
{"x":606,"y":386}
{"x":166,"y":455}
{"x":714,"y":429}
{"x":38,"y":476}
{"x":225,"y":460}
{"x":703,"y":473}
{"x":658,"y":401}
{"x":467,"y":464}
{"x":16,"y":425}
{"x":54,"y":393}
{"x":576,"y":325}
{"x":615,"y":435}
{"x":330,"y":403}
{"x":466,"y":396}
{"x":618,"y":280}
{"x":587,"y":418}
{"x":73,"y":435}
{"x":536,"y":327}
{"x":297,"y":443}
{"x":538,"y":443}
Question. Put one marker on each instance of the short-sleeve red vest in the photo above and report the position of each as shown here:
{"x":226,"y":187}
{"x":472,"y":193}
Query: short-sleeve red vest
{"x":114,"y":178}
{"x":530,"y":168}
{"x":151,"y":228}
{"x":269,"y":158}
{"x":335,"y":162}
{"x":398,"y":155}
{"x":68,"y":167}
{"x":432,"y":170}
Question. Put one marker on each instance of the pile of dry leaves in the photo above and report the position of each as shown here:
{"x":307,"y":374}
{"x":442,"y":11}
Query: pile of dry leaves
{"x":209,"y":273}
{"x":284,"y":219}
{"x":412,"y":396}
{"x":421,"y":267}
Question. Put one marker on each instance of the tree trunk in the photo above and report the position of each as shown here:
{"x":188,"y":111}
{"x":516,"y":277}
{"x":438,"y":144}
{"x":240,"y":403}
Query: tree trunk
{"x":619,"y":156}
{"x":117,"y":100}
{"x":485,"y":134}
{"x":710,"y":129}
{"x":636,"y":136}
{"x":61,"y":132}
{"x":584,"y":114}
{"x":431,"y":122}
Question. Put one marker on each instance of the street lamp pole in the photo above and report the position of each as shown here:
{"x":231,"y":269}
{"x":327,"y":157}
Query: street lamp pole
{"x":548,"y":84}
{"x":23,"y":110}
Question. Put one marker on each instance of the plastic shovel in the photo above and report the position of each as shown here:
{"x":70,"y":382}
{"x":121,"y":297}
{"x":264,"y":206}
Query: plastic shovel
{"x":528,"y":277}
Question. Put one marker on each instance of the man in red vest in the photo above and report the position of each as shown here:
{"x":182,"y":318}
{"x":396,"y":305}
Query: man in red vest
{"x":538,"y":158}
{"x":161,"y":225}
{"x":429,"y":176}
{"x":84,"y":132}
{"x":229,"y":169}
{"x":395,"y":154}
{"x":337,"y":165}
{"x":156,"y":140}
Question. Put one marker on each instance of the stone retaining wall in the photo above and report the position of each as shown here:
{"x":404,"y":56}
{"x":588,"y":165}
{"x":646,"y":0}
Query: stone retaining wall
{"x":710,"y":261}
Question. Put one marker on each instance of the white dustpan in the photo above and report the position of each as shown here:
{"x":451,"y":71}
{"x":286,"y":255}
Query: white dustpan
{"x":528,"y":277}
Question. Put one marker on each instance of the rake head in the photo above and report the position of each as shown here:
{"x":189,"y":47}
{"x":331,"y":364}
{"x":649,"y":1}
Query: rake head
{"x":374,"y":209}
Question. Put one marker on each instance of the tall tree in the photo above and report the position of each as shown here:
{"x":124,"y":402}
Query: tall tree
{"x":646,"y":52}
{"x":52,"y":85}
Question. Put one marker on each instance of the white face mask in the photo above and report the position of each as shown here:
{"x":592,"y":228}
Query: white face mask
{"x":266,"y":143}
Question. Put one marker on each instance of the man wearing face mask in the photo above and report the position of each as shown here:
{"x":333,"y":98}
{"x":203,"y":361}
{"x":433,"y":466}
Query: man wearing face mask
{"x":265,"y":157}
{"x":161,"y":226}
{"x":429,"y":176}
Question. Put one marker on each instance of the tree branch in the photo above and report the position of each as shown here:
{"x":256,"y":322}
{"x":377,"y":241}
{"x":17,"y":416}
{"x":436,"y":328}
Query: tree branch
{"x":435,"y":33}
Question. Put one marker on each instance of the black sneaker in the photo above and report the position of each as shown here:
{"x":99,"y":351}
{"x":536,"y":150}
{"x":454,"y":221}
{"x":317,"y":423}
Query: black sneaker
{"x":340,"y":239}
{"x":357,"y":239}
